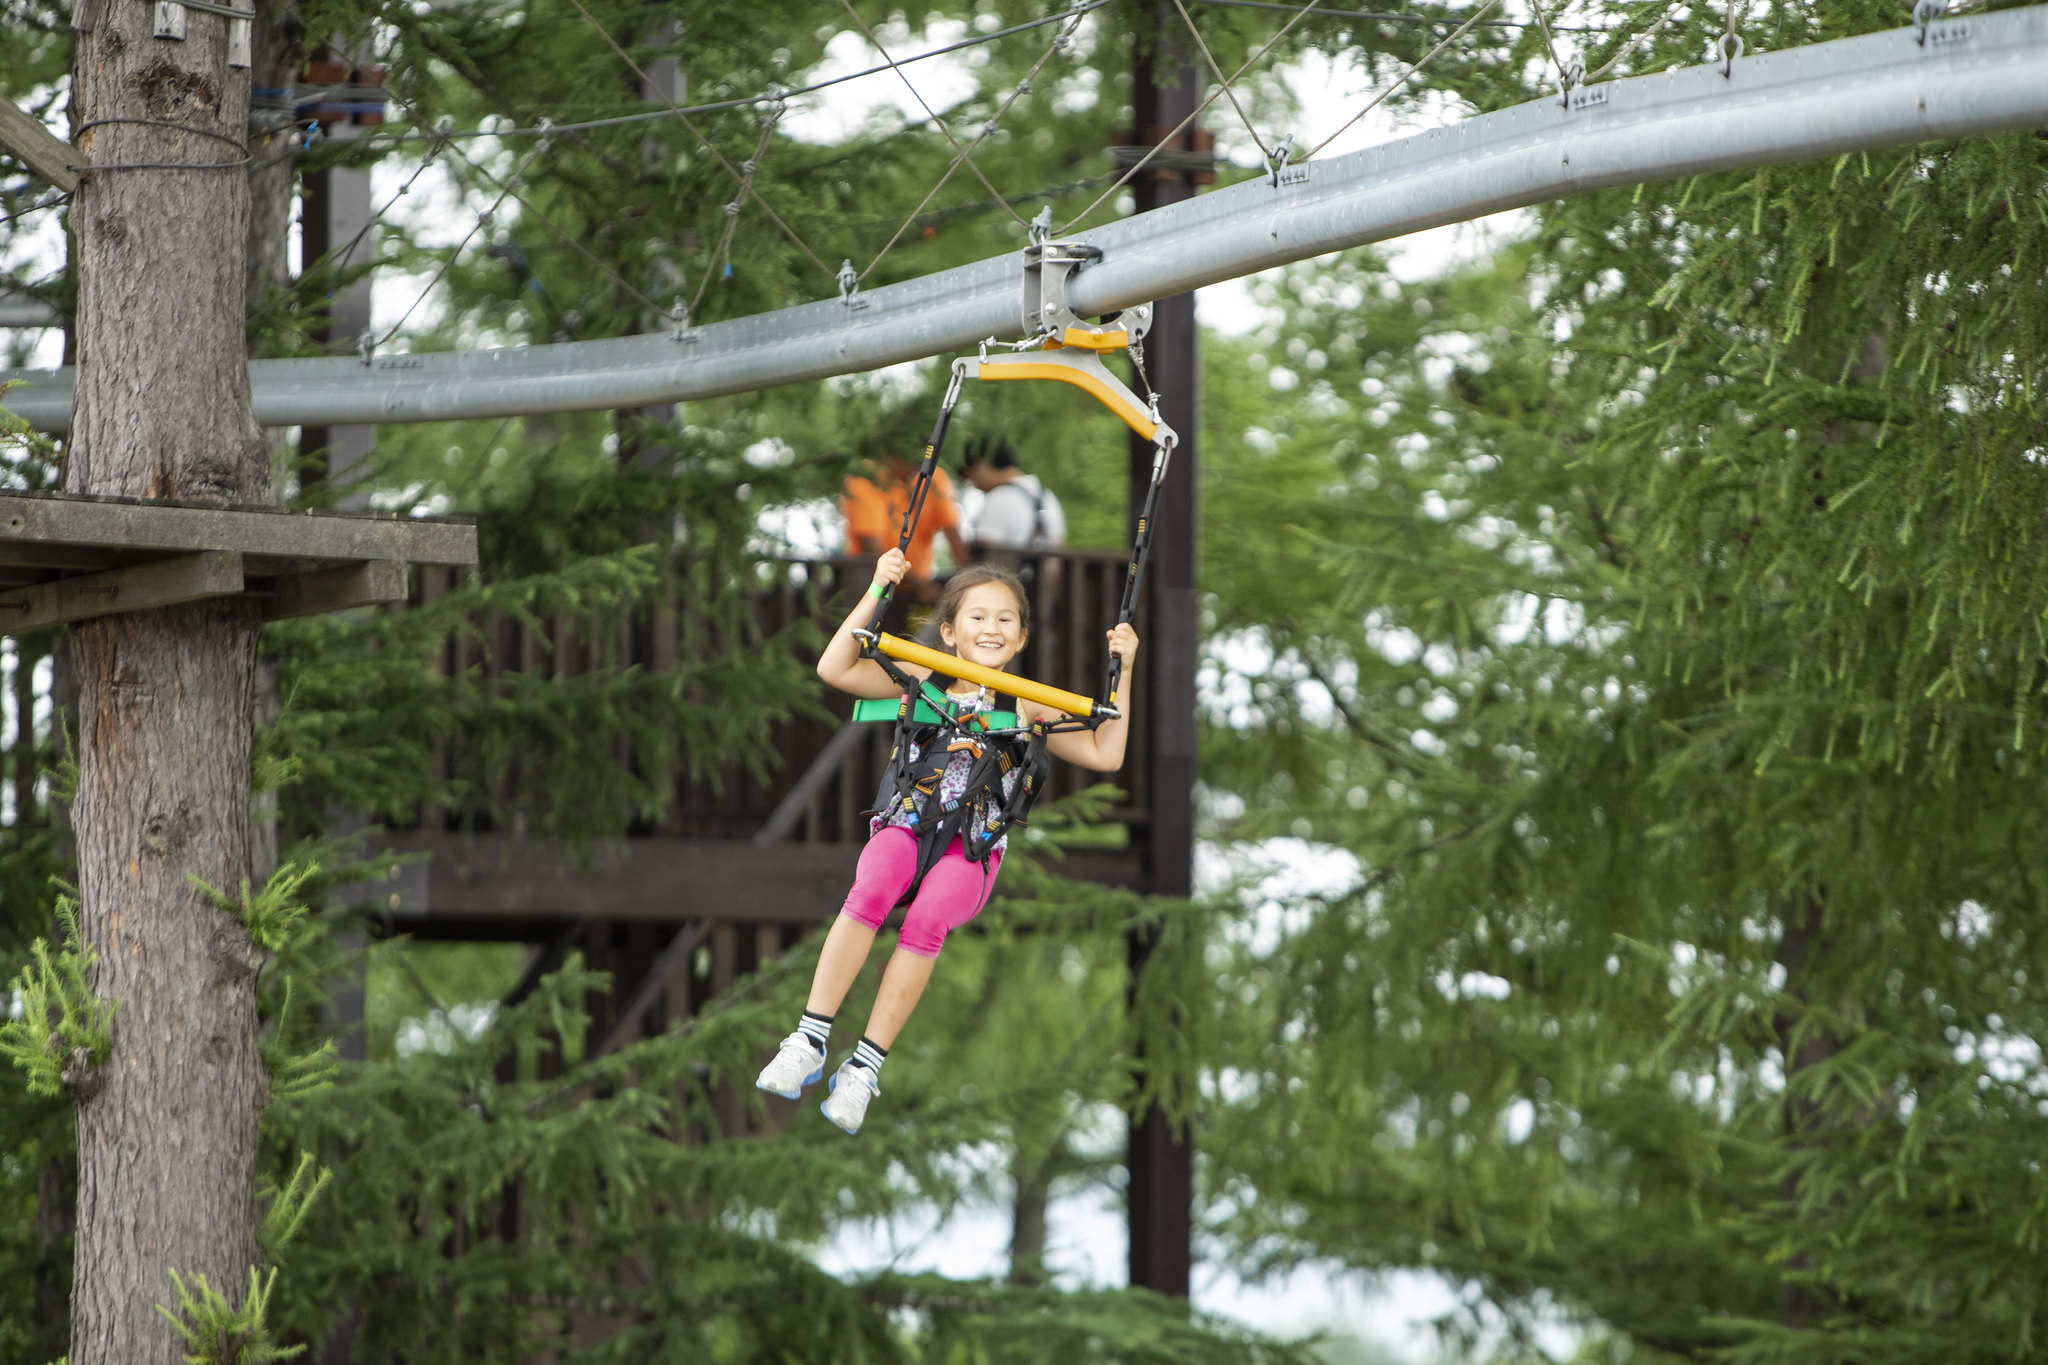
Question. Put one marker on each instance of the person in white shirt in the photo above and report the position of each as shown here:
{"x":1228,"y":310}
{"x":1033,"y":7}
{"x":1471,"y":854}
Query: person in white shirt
{"x":1018,"y":512}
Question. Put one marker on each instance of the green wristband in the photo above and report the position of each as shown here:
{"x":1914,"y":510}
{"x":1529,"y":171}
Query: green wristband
{"x":875,"y":589}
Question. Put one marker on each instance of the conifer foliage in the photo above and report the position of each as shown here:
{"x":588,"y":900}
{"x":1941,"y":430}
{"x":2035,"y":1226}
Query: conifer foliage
{"x":1679,"y":710}
{"x":1651,"y":613}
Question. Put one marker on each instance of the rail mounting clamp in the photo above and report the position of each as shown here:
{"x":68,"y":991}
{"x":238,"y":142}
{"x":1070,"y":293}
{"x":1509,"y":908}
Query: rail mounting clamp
{"x":1047,"y":314}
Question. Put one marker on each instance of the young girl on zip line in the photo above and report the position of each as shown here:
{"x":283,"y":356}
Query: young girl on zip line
{"x":984,"y":619}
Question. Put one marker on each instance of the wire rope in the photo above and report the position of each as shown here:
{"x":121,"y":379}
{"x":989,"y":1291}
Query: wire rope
{"x":1543,"y":26}
{"x":483,"y":220}
{"x":1059,"y":43}
{"x":709,"y":146}
{"x":556,"y":228}
{"x":1671,"y":8}
{"x":1210,"y":57}
{"x":764,"y":97}
{"x":1183,"y":125}
{"x":732,"y":213}
{"x":932,"y":114}
{"x":1403,"y":78}
{"x":242,"y":147}
{"x":1386,"y":17}
{"x":52,"y":202}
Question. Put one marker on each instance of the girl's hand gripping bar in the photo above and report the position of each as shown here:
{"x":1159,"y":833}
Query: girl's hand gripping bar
{"x":918,"y":490}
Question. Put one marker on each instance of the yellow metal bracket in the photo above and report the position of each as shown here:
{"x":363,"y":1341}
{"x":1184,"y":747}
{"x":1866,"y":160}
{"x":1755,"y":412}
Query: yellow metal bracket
{"x":1084,"y":370}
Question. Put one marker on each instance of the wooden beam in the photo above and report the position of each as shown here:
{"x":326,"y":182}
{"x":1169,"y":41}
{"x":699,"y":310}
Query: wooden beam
{"x":43,"y":152}
{"x":507,"y":887}
{"x":164,"y":583}
{"x":667,"y":880}
{"x":351,"y":585}
{"x":29,"y":554}
{"x":136,"y":524}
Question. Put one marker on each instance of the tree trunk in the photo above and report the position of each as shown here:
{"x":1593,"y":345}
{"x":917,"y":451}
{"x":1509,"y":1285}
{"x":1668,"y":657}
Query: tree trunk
{"x":167,"y":1129}
{"x":1033,"y":1174}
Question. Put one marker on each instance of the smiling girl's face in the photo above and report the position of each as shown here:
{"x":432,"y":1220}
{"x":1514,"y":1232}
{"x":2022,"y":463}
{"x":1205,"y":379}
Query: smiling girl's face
{"x":988,"y":629}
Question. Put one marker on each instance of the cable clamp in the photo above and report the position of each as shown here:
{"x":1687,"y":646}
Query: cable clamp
{"x":849,"y":286}
{"x":679,"y":328}
{"x":1276,"y":160}
{"x":366,"y":346}
{"x":1925,"y":12}
{"x":1046,"y":267}
{"x":1725,"y":49}
{"x":1569,"y":79}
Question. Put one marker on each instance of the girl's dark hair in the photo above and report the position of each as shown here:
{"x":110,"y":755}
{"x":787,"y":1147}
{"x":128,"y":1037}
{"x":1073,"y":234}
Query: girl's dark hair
{"x":973,"y":576}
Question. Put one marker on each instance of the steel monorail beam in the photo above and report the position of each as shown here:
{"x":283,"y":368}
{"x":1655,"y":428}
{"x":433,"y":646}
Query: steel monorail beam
{"x":1971,"y":75}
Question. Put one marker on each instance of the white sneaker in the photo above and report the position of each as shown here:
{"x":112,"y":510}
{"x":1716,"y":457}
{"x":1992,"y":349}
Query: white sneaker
{"x":852,"y":1088}
{"x":798,"y":1063}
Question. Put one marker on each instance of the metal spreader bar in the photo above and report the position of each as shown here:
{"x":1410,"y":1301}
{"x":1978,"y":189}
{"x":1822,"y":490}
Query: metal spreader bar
{"x":1953,"y":77}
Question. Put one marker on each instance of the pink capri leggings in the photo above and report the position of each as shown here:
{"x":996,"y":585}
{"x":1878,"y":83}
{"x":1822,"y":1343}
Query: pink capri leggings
{"x":953,"y":892}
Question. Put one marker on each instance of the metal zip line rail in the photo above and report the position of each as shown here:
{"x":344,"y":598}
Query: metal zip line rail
{"x":1971,"y":75}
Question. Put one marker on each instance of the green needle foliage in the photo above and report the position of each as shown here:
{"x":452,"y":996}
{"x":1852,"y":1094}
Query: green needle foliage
{"x":221,"y":1334}
{"x":61,"y":1029}
{"x":1677,"y":708}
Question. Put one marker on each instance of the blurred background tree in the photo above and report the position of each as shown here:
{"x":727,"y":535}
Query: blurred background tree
{"x":1643,"y":618}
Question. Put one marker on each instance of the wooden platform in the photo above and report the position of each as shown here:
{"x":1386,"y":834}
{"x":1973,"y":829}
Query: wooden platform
{"x":66,"y":557}
{"x":499,"y":887}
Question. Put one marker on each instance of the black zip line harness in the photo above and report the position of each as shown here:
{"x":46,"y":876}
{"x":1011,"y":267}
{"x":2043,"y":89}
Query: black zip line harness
{"x":930,"y":729}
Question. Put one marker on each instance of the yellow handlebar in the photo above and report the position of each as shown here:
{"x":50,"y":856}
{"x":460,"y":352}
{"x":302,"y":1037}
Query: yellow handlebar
{"x":1009,"y":684}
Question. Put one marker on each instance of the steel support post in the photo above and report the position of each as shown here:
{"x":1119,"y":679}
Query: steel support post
{"x":663,"y":84}
{"x":1165,"y":89}
{"x":337,"y":208}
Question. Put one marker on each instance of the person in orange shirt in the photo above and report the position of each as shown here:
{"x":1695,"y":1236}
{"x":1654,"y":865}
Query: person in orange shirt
{"x":874,"y":507}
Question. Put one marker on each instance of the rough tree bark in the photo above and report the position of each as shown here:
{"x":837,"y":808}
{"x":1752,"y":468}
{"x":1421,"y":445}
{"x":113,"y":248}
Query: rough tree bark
{"x":167,"y":1129}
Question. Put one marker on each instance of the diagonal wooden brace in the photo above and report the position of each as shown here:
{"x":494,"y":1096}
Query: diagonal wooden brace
{"x":43,"y":152}
{"x":165,"y":583}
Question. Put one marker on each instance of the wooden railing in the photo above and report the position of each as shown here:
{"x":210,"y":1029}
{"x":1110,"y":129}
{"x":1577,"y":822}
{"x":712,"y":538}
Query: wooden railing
{"x":1074,"y":599}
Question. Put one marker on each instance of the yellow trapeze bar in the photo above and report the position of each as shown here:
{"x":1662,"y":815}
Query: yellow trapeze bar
{"x":1084,"y":370}
{"x":1009,"y":684}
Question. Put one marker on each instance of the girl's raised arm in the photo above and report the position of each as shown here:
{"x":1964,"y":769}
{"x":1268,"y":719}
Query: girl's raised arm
{"x":1103,"y":747}
{"x":841,"y":664}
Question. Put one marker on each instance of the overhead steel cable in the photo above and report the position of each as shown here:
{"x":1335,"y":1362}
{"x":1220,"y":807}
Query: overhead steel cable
{"x":567,"y":236}
{"x":52,"y":202}
{"x":512,"y":189}
{"x":1550,"y":46}
{"x":1402,"y":79}
{"x":1381,"y":16}
{"x":744,"y":101}
{"x":747,"y":187}
{"x":930,"y":113}
{"x":1060,"y":42}
{"x":1210,"y":57}
{"x":1185,"y":123}
{"x":732,"y":213}
{"x":483,"y":220}
{"x":1670,"y":7}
